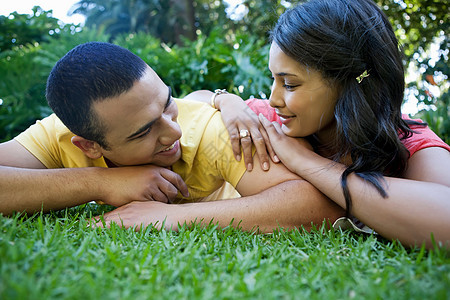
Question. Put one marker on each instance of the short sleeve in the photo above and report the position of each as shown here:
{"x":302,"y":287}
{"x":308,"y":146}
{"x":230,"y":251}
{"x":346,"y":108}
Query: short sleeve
{"x":41,"y":140}
{"x":423,"y":137}
{"x":51,"y":143}
{"x":227,"y":167}
{"x":263,"y":107}
{"x":207,"y":160}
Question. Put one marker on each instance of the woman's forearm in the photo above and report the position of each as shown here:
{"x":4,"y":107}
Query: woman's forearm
{"x":411,"y":211}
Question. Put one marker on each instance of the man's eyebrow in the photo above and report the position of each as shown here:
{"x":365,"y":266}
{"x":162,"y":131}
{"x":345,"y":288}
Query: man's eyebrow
{"x":150,"y":124}
{"x":142,"y":129}
{"x":168,"y":98}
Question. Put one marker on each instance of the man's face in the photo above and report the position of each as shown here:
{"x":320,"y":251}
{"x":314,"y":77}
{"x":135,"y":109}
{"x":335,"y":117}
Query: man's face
{"x":141,"y":125}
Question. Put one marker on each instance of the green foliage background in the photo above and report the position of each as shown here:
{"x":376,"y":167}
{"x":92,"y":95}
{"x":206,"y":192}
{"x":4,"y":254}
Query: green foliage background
{"x":196,"y":45}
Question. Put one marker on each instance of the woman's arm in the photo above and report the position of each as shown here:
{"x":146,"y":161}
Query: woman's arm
{"x":236,"y":116}
{"x":414,"y":208}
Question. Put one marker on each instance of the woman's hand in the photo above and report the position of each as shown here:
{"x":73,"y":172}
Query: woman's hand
{"x":287,"y":149}
{"x":238,"y":117}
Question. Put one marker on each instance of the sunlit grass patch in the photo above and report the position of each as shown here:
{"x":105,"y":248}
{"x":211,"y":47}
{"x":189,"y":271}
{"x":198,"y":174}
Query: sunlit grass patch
{"x":57,"y":255}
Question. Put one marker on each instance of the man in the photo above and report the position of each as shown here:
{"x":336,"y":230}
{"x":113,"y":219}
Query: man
{"x":121,"y":115}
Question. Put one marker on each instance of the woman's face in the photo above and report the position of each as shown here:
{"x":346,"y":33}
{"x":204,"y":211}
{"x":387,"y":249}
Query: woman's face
{"x":302,"y":97}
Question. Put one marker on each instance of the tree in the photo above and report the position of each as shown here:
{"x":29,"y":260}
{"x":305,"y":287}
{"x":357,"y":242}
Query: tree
{"x":21,"y":29}
{"x":421,"y":25}
{"x":168,"y":20}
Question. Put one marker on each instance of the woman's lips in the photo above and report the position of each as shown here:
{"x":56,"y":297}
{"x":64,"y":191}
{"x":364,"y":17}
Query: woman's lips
{"x":285,"y":119}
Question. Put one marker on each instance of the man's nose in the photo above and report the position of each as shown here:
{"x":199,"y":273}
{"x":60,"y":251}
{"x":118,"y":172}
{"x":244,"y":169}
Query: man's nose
{"x":171,"y":131}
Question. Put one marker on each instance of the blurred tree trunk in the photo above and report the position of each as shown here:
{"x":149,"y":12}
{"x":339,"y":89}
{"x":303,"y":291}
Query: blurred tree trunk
{"x":184,"y":25}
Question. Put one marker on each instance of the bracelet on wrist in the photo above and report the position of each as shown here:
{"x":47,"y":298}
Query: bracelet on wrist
{"x":217,"y":92}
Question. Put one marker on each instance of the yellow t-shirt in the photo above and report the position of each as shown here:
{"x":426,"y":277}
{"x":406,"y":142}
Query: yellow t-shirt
{"x":206,"y":162}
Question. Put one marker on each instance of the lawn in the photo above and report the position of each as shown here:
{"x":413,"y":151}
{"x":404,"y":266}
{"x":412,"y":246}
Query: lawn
{"x":56,"y":256}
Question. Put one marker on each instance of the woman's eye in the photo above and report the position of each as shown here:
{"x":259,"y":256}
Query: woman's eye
{"x":289,"y":87}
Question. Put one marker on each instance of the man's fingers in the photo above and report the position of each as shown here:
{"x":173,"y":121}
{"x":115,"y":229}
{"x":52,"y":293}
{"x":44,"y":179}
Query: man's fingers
{"x":160,"y":196}
{"x":177,"y":183}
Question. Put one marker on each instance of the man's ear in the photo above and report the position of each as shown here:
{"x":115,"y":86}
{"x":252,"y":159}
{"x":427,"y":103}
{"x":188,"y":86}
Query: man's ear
{"x":90,"y":148}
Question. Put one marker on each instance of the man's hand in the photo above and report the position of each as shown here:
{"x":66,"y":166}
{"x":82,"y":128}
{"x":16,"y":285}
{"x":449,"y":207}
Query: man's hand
{"x":139,"y":215}
{"x":288,"y":205}
{"x":141,"y":183}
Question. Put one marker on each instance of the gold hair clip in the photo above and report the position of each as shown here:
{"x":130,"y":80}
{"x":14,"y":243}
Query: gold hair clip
{"x":362,"y":76}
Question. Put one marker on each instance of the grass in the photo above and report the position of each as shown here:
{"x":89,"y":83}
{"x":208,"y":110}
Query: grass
{"x":55,"y":255}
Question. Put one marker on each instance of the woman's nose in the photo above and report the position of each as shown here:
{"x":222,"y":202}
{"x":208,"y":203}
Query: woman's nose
{"x":276,"y":99}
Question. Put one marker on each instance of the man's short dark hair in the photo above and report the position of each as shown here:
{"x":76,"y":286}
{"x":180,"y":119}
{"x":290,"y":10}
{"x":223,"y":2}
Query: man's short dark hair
{"x":89,"y":73}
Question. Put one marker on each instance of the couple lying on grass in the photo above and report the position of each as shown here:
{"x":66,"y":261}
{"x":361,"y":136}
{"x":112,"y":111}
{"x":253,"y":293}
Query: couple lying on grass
{"x":334,"y":122}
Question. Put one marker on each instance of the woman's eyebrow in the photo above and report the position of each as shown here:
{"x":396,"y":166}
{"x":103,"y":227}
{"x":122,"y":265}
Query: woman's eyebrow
{"x":282,"y":74}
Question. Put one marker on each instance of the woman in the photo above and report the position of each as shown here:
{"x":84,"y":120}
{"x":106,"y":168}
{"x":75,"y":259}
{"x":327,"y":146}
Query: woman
{"x":338,"y":83}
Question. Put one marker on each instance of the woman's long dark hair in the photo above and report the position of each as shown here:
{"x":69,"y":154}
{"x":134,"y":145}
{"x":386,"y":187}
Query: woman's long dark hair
{"x":342,"y":39}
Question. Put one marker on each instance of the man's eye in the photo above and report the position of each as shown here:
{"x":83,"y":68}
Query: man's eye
{"x":168,"y":104}
{"x":144,"y":133}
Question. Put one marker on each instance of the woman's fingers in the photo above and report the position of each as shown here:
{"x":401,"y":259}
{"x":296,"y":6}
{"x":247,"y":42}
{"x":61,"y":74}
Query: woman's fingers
{"x":235,"y":141}
{"x":269,"y":145}
{"x":261,"y":150}
{"x":246,"y":143}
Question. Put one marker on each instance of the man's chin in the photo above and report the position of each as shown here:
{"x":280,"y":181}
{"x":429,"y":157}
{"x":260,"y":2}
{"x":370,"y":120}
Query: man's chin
{"x":169,"y":162}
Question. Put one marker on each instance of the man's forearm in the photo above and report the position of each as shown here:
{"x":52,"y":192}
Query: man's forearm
{"x":290,"y":204}
{"x":31,"y":190}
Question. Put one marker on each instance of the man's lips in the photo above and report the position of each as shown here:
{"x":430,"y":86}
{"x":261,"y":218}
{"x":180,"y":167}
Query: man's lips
{"x":171,"y":149}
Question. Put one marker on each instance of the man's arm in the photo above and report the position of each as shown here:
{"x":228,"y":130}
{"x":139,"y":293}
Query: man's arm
{"x":30,"y":190}
{"x":287,"y":205}
{"x":26,"y":185}
{"x":271,"y":199}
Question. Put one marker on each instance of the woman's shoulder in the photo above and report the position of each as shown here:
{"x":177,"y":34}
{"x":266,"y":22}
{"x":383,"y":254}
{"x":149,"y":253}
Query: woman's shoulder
{"x":262,"y":106}
{"x":422,"y":137}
